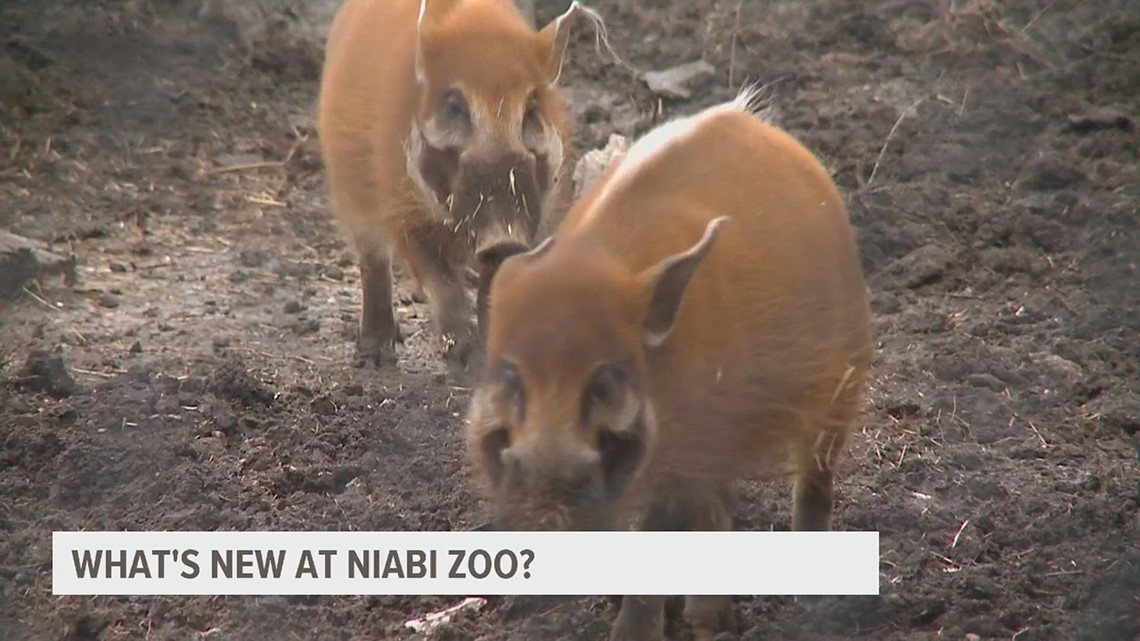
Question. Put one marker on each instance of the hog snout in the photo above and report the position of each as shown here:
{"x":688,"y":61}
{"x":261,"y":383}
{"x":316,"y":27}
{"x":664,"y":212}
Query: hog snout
{"x":498,"y":244}
{"x":550,"y":491}
{"x":497,"y":199}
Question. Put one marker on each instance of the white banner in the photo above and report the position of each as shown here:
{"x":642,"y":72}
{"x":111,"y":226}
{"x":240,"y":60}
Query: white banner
{"x":465,"y":563}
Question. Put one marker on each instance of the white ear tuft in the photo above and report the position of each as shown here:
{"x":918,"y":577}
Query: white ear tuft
{"x":420,"y":75}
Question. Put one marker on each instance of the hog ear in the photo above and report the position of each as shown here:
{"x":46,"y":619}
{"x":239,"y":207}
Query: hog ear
{"x":533,"y":254}
{"x":431,"y":13}
{"x":667,"y":282}
{"x":490,"y":279}
{"x":555,"y":36}
{"x":420,"y":73}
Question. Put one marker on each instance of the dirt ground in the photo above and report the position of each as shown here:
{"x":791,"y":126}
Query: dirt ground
{"x":988,"y":150}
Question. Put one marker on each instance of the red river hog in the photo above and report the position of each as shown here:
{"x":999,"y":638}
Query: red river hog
{"x":699,"y":314}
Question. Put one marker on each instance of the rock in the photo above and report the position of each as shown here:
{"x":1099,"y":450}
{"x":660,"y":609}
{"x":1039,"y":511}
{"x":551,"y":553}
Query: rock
{"x":305,"y":327}
{"x":986,"y":380}
{"x":1056,"y":371}
{"x":1050,"y":173}
{"x":1097,"y":118}
{"x":118,"y":266}
{"x":15,"y":82}
{"x":252,"y":257}
{"x":85,"y":626}
{"x":676,"y":82}
{"x":231,"y":380}
{"x":110,"y":301}
{"x":45,"y":371}
{"x":603,"y":112}
{"x":594,"y":162}
{"x":923,"y":266}
{"x":293,"y":307}
{"x":23,"y":259}
{"x":333,"y":272}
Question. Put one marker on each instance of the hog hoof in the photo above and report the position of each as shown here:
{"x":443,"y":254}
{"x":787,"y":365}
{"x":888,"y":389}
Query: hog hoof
{"x":464,"y":356}
{"x":377,"y":351}
{"x":372,"y":357}
{"x":637,"y":628}
{"x":625,"y":634}
{"x":709,"y":617}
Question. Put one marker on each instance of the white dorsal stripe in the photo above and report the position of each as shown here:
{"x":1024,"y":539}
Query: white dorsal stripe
{"x":751,"y":100}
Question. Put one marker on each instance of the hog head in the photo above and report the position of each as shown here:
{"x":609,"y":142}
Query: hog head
{"x":562,"y":421}
{"x":488,"y":139}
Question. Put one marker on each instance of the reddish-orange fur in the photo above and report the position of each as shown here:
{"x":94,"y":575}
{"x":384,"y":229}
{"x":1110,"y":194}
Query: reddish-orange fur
{"x":764,"y":367}
{"x":404,"y":181}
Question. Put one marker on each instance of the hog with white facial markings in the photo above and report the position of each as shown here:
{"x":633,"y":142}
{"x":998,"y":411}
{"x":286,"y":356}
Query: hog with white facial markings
{"x":446,"y":142}
{"x":699,"y":315}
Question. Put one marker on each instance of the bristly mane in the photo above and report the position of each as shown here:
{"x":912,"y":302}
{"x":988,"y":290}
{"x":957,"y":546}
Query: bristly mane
{"x":753,"y":99}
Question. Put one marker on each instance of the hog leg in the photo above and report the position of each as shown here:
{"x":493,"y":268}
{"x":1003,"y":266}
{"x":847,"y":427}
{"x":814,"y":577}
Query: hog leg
{"x":483,"y":288}
{"x":435,"y":265}
{"x":813,"y":495}
{"x":683,"y":507}
{"x":711,"y":614}
{"x":641,"y":618}
{"x":378,"y":330}
{"x":813,"y":492}
{"x":484,"y":278}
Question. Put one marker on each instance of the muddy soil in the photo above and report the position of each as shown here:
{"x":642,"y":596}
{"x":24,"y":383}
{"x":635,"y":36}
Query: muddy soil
{"x":199,"y":374}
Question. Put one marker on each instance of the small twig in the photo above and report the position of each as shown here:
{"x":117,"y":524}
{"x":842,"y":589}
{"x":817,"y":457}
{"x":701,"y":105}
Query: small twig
{"x":40,"y":300}
{"x":301,"y":140}
{"x":887,"y":141}
{"x":1032,"y":22}
{"x":266,"y":201}
{"x":94,"y":373}
{"x":732,"y":46}
{"x":945,"y":559}
{"x":958,"y":535}
{"x":294,"y":357}
{"x":1064,"y":573}
{"x":1033,"y":427}
{"x":1104,"y":54}
{"x":274,"y":164}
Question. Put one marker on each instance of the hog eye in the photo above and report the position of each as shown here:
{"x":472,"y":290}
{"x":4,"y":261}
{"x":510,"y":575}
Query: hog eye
{"x":605,"y":385}
{"x":492,"y":446}
{"x":510,"y":382}
{"x":532,"y":115}
{"x":454,"y":105}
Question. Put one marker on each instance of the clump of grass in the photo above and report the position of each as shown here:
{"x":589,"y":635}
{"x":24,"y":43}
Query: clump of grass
{"x":5,"y":355}
{"x":968,"y":26}
{"x":961,"y":26}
